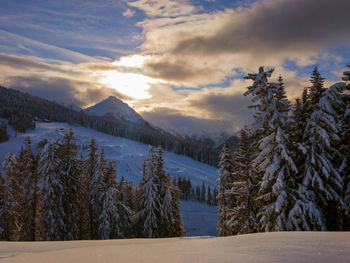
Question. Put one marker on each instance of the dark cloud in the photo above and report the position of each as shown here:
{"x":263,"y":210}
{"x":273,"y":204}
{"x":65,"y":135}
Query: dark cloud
{"x":178,"y":70}
{"x":179,"y":123}
{"x":63,"y":90}
{"x":232,"y":107}
{"x":276,"y":25}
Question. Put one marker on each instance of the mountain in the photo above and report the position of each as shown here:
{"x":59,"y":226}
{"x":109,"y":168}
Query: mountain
{"x":20,"y":109}
{"x":117,"y":108}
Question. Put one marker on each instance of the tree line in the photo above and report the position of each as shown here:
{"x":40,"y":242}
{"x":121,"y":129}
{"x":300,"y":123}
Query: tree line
{"x":61,"y":194}
{"x":291,"y":170}
{"x":203,"y":194}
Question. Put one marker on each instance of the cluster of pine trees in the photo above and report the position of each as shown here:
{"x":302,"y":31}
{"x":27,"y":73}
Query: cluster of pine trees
{"x":291,"y":170}
{"x":202,"y":194}
{"x":58,"y":194}
{"x":158,"y":200}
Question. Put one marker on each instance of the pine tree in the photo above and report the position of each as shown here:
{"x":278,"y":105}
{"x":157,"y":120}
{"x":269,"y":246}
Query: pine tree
{"x":11,"y":196}
{"x":52,"y":219}
{"x":176,"y":225}
{"x":301,"y":115}
{"x":69,"y":174}
{"x":83,"y":219}
{"x":317,"y":89}
{"x":243,"y":189}
{"x":209,"y":196}
{"x":92,"y":166}
{"x":149,"y":202}
{"x":224,"y":182}
{"x":29,"y":199}
{"x":163,"y":181}
{"x":345,"y":150}
{"x":274,"y":158}
{"x":320,"y":192}
{"x":203,"y":193}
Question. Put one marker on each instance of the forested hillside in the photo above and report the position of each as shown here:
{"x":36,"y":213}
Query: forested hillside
{"x":21,"y":109}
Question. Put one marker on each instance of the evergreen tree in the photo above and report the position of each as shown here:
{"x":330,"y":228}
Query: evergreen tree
{"x":345,"y":150}
{"x":320,"y":192}
{"x":11,"y":198}
{"x":176,"y":225}
{"x":83,"y":209}
{"x":224,"y":181}
{"x":203,"y":193}
{"x":317,"y":89}
{"x":209,"y":196}
{"x":243,"y":189}
{"x":92,"y":167}
{"x":69,"y":174}
{"x":29,"y":199}
{"x":274,"y":158}
{"x":52,"y":219}
{"x":301,"y":115}
{"x":149,"y":202}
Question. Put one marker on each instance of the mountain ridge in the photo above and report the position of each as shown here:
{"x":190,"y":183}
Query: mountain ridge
{"x":117,"y":108}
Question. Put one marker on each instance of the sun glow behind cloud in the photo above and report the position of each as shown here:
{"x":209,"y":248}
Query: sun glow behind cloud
{"x":134,"y":85}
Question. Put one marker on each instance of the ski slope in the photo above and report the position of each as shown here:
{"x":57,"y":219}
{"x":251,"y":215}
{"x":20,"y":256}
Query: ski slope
{"x":287,"y":247}
{"x":199,"y":219}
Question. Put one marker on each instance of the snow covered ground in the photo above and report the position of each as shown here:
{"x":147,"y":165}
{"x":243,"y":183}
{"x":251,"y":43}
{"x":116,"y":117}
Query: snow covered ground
{"x":284,"y":247}
{"x":199,"y":219}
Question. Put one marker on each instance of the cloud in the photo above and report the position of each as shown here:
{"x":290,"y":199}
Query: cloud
{"x":57,"y":80}
{"x":63,"y":90}
{"x":275,"y":26}
{"x":176,"y":121}
{"x":205,"y":48}
{"x":164,"y":8}
{"x":129,"y":13}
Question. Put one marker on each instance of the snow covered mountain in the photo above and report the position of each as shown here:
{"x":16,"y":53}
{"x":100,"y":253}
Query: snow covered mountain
{"x":116,"y":107}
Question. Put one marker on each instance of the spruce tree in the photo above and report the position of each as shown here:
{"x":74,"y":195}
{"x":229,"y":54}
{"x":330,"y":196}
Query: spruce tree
{"x":92,"y":166}
{"x":274,"y":158}
{"x":345,"y":150}
{"x":149,"y":201}
{"x":243,"y":189}
{"x":69,"y":174}
{"x":224,"y":181}
{"x":52,"y":218}
{"x":320,"y":192}
{"x":11,"y":196}
{"x":176,"y":224}
{"x":29,"y":199}
{"x":300,"y":117}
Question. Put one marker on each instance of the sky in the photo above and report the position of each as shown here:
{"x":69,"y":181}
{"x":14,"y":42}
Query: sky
{"x":175,"y":62}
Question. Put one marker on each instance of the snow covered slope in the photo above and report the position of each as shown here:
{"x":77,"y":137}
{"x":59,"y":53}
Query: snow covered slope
{"x":199,"y":219}
{"x":129,"y":154}
{"x":119,"y":109}
{"x":288,"y":247}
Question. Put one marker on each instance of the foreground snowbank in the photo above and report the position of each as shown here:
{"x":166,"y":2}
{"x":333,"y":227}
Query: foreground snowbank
{"x":265,"y":247}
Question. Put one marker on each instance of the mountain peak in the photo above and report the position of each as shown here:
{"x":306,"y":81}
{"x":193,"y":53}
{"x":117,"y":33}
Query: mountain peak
{"x":118,"y":108}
